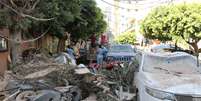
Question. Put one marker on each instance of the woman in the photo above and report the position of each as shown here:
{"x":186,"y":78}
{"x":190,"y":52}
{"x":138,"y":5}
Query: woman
{"x":99,"y":57}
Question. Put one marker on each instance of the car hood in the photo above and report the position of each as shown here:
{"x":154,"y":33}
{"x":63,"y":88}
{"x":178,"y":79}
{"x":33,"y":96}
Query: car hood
{"x":121,"y":54}
{"x":177,"y":84}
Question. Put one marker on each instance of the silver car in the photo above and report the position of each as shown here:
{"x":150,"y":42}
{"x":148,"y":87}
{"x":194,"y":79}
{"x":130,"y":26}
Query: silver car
{"x":168,"y":77}
{"x":121,"y":53}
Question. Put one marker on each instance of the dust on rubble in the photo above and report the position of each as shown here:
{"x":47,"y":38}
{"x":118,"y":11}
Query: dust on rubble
{"x":101,"y":86}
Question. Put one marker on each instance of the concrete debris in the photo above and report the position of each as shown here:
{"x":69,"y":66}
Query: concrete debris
{"x":82,"y":71}
{"x":45,"y":77}
{"x":41,"y":73}
{"x":92,"y":97}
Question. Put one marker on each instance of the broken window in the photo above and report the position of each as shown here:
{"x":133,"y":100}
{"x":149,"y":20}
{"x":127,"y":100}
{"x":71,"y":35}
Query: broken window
{"x":3,"y":44}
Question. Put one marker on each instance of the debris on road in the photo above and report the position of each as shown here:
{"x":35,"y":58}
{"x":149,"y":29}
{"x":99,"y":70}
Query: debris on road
{"x":44,"y":76}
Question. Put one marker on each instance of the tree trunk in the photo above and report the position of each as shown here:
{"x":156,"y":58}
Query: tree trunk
{"x":196,"y":51}
{"x":62,"y":42}
{"x":15,"y":47}
{"x":176,"y":45}
{"x":61,"y":45}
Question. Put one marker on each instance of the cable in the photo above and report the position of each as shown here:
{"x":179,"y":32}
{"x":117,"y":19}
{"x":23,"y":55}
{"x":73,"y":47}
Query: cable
{"x":116,"y":5}
{"x":168,"y":1}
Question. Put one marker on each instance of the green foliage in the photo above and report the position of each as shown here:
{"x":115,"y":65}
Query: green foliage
{"x":170,"y":21}
{"x":126,"y":38}
{"x":91,"y":21}
{"x":79,"y":17}
{"x":64,"y":12}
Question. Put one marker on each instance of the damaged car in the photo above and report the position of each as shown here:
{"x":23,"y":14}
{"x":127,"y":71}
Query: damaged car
{"x":167,"y":77}
{"x":121,"y":53}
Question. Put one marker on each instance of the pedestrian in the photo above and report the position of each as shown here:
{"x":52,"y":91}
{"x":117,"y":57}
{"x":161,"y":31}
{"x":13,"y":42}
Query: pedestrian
{"x":105,"y":51}
{"x":99,"y":56}
{"x":71,"y":52}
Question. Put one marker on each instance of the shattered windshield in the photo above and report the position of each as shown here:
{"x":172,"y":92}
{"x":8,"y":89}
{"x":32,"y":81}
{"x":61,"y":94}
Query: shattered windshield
{"x":178,"y":65}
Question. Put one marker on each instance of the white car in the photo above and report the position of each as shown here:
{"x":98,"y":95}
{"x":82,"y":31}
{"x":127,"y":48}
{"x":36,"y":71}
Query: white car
{"x":167,"y":77}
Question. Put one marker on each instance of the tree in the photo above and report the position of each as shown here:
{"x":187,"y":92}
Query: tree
{"x":126,"y":38}
{"x":25,"y":16}
{"x":172,"y":21}
{"x":91,"y":21}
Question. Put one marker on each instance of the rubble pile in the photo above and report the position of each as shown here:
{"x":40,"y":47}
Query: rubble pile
{"x":120,"y":81}
{"x":43,"y":76}
{"x":37,"y":63}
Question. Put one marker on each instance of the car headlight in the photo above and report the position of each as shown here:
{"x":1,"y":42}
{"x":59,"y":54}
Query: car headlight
{"x":160,"y":94}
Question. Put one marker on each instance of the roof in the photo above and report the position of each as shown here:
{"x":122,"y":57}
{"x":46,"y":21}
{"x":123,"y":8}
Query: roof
{"x":175,"y":54}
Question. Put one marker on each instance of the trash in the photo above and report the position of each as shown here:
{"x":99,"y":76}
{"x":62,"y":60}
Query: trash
{"x":82,"y":71}
{"x":35,"y":91}
{"x":125,"y":95}
{"x":81,"y":66}
{"x":65,"y":58}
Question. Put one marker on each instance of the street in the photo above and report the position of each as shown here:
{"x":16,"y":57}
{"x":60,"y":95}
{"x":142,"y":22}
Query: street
{"x":100,"y":50}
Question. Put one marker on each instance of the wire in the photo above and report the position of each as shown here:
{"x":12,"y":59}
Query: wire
{"x":161,"y":2}
{"x":116,"y":5}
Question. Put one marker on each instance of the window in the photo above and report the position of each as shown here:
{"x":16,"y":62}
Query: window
{"x":3,"y":44}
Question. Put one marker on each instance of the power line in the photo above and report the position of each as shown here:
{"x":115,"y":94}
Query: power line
{"x":116,"y":5}
{"x":168,"y":1}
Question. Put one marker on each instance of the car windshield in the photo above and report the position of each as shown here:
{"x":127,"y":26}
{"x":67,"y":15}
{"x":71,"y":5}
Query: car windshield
{"x":176,"y":65}
{"x":120,"y":48}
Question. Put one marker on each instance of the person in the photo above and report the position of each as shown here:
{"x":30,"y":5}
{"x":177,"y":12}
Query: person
{"x":99,"y":56}
{"x":105,"y":51}
{"x":76,"y":49}
{"x":103,"y":39}
{"x":70,"y":51}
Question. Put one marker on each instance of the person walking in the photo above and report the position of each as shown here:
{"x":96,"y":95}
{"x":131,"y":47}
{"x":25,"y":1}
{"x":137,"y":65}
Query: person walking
{"x":99,"y":56}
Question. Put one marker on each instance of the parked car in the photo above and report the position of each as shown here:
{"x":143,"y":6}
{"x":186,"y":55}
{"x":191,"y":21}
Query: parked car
{"x":167,"y":77}
{"x":168,"y":48}
{"x":121,"y":53}
{"x":162,"y":48}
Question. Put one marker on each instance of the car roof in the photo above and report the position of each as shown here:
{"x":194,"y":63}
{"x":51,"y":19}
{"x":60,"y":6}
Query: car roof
{"x":160,"y":46}
{"x":121,"y":45}
{"x":175,"y":54}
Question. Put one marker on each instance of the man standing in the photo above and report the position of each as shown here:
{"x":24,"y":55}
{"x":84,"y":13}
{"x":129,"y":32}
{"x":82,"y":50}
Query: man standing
{"x":99,"y":56}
